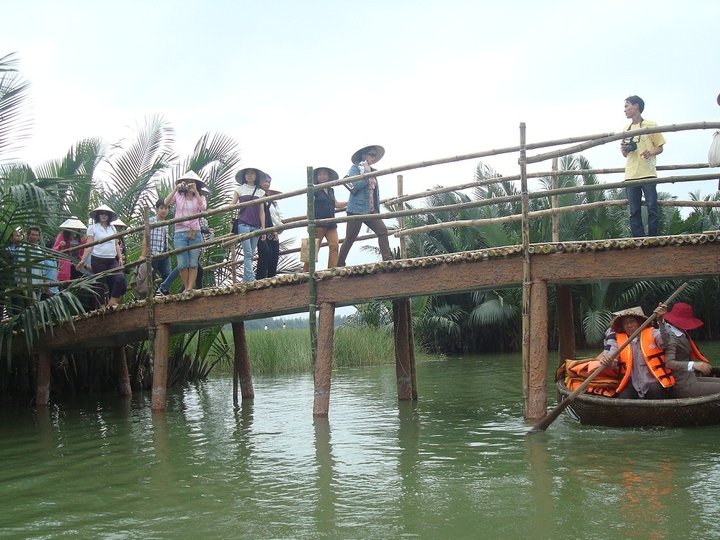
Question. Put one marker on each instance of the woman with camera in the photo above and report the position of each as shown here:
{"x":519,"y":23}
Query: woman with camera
{"x":187,"y":200}
{"x":251,"y":218}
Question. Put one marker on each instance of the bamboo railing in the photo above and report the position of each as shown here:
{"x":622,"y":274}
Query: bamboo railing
{"x":400,"y":211}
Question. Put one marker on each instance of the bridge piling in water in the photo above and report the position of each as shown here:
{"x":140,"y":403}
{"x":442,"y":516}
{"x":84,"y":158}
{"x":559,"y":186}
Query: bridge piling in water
{"x":122,"y":371}
{"x":566,"y":329}
{"x":404,"y":352}
{"x":160,"y":367}
{"x":42,"y":393}
{"x":536,"y":392}
{"x":322,"y":368}
{"x":242,"y":368}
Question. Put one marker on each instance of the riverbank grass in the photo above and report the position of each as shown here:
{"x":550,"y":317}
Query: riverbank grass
{"x":288,"y":350}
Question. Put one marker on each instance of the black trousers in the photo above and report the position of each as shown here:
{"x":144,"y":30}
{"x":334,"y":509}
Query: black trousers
{"x":268,"y":255}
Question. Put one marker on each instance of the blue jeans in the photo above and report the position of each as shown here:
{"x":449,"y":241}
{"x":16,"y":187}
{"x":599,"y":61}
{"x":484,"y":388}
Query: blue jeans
{"x":187,"y":259}
{"x":634,"y":196}
{"x":248,"y":247}
{"x":172,"y":276}
{"x":162,"y":267}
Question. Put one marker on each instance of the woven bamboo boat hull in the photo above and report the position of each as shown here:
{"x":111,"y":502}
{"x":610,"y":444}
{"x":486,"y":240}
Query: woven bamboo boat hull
{"x":612,"y":412}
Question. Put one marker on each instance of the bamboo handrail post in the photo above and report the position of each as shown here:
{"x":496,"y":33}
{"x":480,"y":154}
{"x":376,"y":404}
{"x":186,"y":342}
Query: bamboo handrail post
{"x":312,"y":284}
{"x":150,"y":302}
{"x":233,"y":254}
{"x":401,"y":219}
{"x":554,"y":203}
{"x":525,"y":202}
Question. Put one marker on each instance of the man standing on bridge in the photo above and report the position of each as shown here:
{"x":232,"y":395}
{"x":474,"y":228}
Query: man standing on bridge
{"x":640,"y":152}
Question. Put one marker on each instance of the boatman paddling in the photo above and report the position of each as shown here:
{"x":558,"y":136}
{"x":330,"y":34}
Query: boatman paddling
{"x":643,"y":373}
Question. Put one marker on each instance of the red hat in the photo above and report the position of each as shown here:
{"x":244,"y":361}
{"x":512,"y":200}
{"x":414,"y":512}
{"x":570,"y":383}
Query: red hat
{"x":681,"y":316}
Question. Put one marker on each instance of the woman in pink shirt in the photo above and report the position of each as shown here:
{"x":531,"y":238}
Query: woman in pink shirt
{"x":187,"y":200}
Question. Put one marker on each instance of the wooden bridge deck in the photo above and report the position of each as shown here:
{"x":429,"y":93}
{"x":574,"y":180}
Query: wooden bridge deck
{"x":552,"y":263}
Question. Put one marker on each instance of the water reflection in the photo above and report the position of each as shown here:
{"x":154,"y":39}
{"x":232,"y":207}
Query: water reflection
{"x":408,"y":435}
{"x":325,"y":485}
{"x":542,"y":502}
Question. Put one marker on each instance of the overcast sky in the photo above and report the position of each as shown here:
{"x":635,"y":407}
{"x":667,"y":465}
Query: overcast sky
{"x":301,"y":83}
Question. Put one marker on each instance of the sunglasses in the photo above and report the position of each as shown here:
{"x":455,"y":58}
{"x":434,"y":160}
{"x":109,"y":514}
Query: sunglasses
{"x":371,"y":154}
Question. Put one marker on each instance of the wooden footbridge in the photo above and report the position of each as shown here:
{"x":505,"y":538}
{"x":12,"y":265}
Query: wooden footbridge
{"x":535,"y":267}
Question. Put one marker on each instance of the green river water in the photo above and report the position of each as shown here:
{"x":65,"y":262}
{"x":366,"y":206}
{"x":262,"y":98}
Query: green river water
{"x":456,"y":464}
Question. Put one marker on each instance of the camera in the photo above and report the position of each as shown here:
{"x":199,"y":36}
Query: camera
{"x":629,"y":145}
{"x":183,"y":188}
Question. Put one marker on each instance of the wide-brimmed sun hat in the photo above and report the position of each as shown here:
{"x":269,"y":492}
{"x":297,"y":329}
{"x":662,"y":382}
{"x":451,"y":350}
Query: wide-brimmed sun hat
{"x":192,"y":176}
{"x":119,"y":223}
{"x":73,"y":224}
{"x":636,"y":312}
{"x":240,"y":175}
{"x":681,"y":316}
{"x":333,"y":175}
{"x":103,"y":208}
{"x":379,"y":150}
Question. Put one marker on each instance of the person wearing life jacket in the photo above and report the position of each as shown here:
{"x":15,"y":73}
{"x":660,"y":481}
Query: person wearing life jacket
{"x":642,"y":363}
{"x":682,"y":355}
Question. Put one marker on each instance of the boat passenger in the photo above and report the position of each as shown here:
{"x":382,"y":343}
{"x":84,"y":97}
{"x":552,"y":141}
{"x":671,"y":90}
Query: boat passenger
{"x":682,"y":355}
{"x":642,"y":363}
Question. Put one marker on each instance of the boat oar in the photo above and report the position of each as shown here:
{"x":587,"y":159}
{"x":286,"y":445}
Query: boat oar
{"x":543,"y":424}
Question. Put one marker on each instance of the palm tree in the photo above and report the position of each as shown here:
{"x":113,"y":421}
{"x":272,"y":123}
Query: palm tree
{"x":27,"y":197}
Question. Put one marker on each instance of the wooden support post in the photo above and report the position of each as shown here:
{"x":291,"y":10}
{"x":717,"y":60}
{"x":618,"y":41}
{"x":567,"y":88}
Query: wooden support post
{"x":242,"y":361}
{"x":411,"y":344}
{"x":122,"y":372}
{"x":323,"y":360}
{"x":566,"y":328}
{"x":403,"y":367}
{"x":536,"y":392}
{"x":42,"y":392}
{"x":160,"y":367}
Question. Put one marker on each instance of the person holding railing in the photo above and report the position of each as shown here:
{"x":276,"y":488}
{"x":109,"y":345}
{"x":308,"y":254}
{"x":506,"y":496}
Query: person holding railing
{"x":250,"y":218}
{"x":641,"y":152}
{"x":105,"y":255}
{"x":325,"y":206}
{"x":365,"y":199}
{"x":188,"y":201}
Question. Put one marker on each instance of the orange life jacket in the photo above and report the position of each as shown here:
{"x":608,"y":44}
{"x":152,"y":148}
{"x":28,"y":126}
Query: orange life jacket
{"x":653,"y":356}
{"x":695,"y":353}
{"x":576,"y":371}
